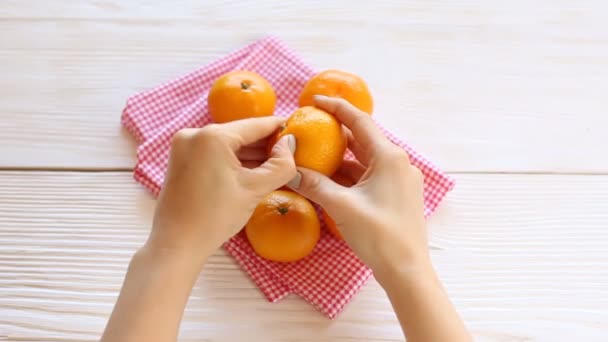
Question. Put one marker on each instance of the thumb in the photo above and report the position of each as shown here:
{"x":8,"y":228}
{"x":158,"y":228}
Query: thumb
{"x":279,"y":169}
{"x":317,"y":187}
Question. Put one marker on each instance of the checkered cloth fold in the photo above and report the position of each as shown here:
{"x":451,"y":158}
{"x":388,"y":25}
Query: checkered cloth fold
{"x":332,"y":274}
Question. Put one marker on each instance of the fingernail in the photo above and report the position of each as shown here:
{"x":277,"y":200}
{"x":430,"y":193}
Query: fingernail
{"x":295,"y":182}
{"x":319,"y":97}
{"x":291,"y":142}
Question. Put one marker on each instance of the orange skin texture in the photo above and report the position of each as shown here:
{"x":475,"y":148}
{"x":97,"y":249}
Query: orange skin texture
{"x":336,"y":83}
{"x":329,"y":222}
{"x":239,"y":95}
{"x":320,"y":141}
{"x":284,"y":227}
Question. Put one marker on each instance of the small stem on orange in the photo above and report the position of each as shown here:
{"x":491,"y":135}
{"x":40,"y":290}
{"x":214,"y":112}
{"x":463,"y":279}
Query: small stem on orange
{"x":245,"y":85}
{"x":283,"y":210}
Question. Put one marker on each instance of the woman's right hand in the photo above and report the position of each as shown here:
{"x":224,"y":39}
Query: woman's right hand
{"x":382,"y":216}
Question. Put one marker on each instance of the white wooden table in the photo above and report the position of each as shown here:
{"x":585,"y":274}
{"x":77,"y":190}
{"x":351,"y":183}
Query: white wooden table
{"x":510,"y":97}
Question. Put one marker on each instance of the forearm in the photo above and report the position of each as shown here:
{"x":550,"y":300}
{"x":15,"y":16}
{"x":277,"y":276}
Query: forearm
{"x":423,"y":307}
{"x":153,"y":297}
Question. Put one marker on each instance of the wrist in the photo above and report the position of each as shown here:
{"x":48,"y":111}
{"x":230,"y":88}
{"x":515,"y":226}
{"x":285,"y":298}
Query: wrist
{"x":185,"y":259}
{"x":404,"y":272}
{"x":169,"y":243}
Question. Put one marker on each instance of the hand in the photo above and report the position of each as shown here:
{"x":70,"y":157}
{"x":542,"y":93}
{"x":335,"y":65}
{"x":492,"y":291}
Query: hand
{"x":382,"y":215}
{"x":216,"y":177}
{"x":382,"y":219}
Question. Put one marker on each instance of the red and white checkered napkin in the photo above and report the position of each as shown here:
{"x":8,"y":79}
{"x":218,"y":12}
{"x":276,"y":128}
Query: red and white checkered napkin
{"x":332,"y":274}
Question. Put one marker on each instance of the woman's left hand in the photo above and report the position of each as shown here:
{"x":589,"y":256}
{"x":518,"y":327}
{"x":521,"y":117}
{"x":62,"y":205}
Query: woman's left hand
{"x":216,"y":177}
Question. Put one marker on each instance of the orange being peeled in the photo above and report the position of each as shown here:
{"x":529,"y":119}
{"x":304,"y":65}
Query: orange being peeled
{"x":320,"y":142}
{"x":239,"y":95}
{"x":284,"y":227}
{"x":336,"y":83}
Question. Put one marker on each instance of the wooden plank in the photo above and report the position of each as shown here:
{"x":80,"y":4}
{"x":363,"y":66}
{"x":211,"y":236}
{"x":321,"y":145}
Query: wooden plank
{"x":476,"y":85}
{"x":524,"y":258}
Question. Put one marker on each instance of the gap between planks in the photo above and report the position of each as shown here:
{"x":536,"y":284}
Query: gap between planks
{"x":457,"y":172}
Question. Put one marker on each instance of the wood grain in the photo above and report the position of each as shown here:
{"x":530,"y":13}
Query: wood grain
{"x":478,"y":86}
{"x":524,"y":258}
{"x":482,"y":86}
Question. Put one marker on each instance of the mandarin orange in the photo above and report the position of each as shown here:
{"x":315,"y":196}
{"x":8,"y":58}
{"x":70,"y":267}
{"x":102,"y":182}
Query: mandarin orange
{"x":240,"y":94}
{"x":284,"y":227}
{"x":337,"y":83}
{"x":320,"y":141}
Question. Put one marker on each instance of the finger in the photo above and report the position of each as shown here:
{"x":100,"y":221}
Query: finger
{"x":360,"y":124}
{"x":318,"y":188}
{"x":248,"y":131}
{"x":251,"y":153}
{"x":352,"y":170}
{"x":359,"y":151}
{"x":279,"y":169}
{"x":260,"y":143}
